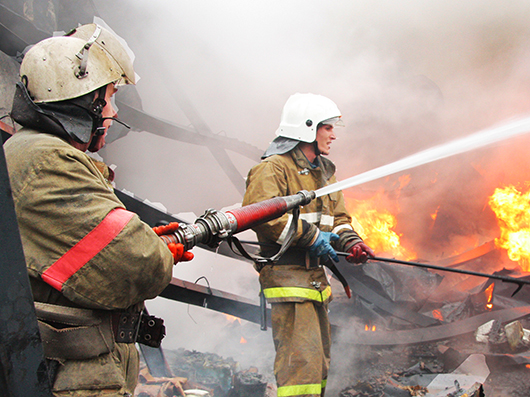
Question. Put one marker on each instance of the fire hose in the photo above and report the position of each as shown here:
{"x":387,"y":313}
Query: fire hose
{"x":214,"y":226}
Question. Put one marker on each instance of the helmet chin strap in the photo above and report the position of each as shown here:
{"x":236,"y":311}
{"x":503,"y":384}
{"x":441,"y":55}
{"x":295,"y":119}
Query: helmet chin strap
{"x":101,"y":130}
{"x":317,"y":150}
{"x":96,"y":109}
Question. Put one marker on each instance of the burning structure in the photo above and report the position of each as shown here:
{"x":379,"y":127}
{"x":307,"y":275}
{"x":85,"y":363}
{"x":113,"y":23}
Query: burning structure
{"x":459,"y":212}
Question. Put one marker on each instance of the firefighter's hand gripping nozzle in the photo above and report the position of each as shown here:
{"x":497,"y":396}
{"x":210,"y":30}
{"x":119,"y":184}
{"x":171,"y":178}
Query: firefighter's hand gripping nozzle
{"x":214,"y":226}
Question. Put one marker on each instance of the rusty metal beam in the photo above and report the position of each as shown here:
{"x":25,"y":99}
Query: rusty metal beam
{"x":213,"y":299}
{"x":435,"y":333}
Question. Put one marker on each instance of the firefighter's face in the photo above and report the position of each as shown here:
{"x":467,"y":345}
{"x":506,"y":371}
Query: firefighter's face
{"x":325,"y":135}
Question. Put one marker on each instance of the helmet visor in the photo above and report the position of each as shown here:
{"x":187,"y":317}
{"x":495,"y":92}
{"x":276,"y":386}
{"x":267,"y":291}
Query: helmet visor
{"x":334,"y":121}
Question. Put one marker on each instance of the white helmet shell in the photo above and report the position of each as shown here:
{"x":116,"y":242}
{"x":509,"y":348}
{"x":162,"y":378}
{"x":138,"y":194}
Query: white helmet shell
{"x":67,"y":67}
{"x":302,"y":113}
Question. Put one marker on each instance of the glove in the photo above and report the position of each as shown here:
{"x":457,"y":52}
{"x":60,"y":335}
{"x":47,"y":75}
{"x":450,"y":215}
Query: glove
{"x":177,"y":249}
{"x":322,"y":247}
{"x":166,"y":229}
{"x":359,"y":253}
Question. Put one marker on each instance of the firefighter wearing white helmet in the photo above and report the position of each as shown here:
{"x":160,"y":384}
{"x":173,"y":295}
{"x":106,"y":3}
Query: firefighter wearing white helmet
{"x":297,"y":286}
{"x":91,"y":263}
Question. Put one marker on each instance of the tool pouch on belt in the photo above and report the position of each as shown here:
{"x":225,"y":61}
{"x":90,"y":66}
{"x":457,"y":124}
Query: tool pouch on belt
{"x":70,"y":333}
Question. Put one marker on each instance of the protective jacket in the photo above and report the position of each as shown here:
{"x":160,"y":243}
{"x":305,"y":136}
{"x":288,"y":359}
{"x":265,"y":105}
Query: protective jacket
{"x":287,"y":174}
{"x":297,"y":288}
{"x":83,"y":249}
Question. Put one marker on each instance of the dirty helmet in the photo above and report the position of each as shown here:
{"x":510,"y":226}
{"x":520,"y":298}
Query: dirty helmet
{"x":59,"y":77}
{"x":301,"y":116}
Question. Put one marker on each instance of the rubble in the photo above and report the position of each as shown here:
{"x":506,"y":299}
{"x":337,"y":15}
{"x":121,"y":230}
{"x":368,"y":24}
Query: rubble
{"x":199,"y":374}
{"x":479,"y":347}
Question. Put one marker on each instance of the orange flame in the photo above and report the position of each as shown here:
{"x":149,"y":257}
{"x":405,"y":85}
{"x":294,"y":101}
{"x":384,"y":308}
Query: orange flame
{"x":489,"y":295}
{"x":232,"y":318}
{"x":434,"y":215}
{"x":368,"y":327}
{"x":512,"y":209}
{"x":376,"y":225}
{"x":437,"y":314}
{"x":242,"y":340}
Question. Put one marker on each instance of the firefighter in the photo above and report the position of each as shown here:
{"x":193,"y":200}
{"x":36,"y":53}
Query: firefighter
{"x":91,"y":263}
{"x":296,"y":286}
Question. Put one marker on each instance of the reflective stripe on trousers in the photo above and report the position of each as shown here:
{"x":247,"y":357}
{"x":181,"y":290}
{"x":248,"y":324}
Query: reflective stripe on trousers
{"x":298,"y":390}
{"x":297,"y":292}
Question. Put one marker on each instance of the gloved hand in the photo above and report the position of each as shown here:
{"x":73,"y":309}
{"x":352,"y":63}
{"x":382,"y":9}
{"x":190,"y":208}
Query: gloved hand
{"x":322,"y":247}
{"x":177,"y":249}
{"x":359,"y":253}
{"x":171,"y":227}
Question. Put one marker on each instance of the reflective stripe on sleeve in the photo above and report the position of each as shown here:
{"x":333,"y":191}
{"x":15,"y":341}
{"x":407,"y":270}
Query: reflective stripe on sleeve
{"x":88,"y":247}
{"x":341,"y":227}
{"x":285,"y":230}
{"x":297,"y":292}
{"x":311,"y":217}
{"x":298,"y":390}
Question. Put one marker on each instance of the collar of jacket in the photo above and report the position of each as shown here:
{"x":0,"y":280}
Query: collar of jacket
{"x":326,"y":166}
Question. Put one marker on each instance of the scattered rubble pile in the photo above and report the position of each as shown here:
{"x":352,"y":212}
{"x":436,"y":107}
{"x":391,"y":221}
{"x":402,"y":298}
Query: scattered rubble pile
{"x":471,"y":365}
{"x":199,"y":374}
{"x":408,"y":339}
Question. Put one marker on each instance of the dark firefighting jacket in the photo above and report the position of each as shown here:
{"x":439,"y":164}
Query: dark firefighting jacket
{"x":283,"y":175}
{"x":83,"y":251}
{"x":79,"y":241}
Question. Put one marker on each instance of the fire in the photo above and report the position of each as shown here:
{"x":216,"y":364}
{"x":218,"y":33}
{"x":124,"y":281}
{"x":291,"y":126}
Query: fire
{"x":376,"y":225}
{"x":512,"y":209}
{"x":367,"y":327}
{"x":434,"y":215}
{"x":489,"y":295}
{"x":232,"y":318}
{"x":437,"y":314}
{"x":242,"y":340}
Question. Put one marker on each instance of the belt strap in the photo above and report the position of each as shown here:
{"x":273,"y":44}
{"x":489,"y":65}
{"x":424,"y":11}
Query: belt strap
{"x":125,"y":326}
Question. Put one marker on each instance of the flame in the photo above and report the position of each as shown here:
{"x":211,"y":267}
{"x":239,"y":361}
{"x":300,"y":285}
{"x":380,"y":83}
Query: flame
{"x":512,"y":209}
{"x":434,"y":215}
{"x":489,"y":296}
{"x":232,"y":318}
{"x":437,"y":314}
{"x":376,"y":225}
{"x":242,"y":340}
{"x":368,"y":327}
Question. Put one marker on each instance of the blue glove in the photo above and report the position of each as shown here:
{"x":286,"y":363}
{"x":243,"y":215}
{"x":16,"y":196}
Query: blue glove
{"x":322,"y":247}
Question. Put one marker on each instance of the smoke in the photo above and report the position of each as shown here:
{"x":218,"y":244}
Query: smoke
{"x":406,"y":75}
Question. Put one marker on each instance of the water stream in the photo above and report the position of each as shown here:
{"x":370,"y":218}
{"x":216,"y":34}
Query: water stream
{"x":466,"y":144}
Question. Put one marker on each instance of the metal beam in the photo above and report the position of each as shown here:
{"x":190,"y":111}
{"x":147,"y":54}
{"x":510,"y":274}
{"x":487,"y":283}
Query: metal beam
{"x":213,"y":299}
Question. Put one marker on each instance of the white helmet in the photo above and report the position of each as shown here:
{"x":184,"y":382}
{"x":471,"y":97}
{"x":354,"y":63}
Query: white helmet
{"x":67,"y":67}
{"x":302,"y":113}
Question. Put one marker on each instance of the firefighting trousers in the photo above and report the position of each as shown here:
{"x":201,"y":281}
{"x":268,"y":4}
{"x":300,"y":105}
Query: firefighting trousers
{"x":302,"y":338}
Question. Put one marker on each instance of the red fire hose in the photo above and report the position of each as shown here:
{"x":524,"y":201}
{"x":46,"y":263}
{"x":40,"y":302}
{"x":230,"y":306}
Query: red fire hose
{"x":214,"y":226}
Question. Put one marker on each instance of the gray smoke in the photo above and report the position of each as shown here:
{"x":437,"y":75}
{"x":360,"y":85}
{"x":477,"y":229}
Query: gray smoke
{"x":407,"y":75}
